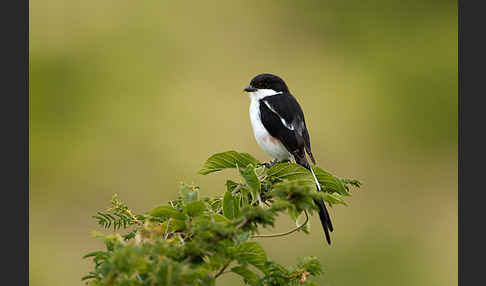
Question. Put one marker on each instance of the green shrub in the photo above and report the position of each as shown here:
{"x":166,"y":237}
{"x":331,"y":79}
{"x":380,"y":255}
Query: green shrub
{"x":194,"y":240}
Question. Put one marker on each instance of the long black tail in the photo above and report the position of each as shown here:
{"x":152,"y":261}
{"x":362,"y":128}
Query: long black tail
{"x":323,"y":213}
{"x":325,"y":219}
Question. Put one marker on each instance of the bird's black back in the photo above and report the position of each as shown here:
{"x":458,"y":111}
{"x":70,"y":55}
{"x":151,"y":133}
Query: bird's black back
{"x":293,"y":135}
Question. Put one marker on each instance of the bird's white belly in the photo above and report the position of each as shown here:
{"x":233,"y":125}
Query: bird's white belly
{"x":269,"y":144}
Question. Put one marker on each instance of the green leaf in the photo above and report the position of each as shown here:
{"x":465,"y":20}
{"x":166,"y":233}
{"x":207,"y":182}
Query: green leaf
{"x":261,"y":171}
{"x":94,"y":253}
{"x":329,"y":182}
{"x":165,"y":212}
{"x":241,"y":237}
{"x":225,"y":160}
{"x":299,"y":193}
{"x":92,"y":275}
{"x":231,"y":185}
{"x":228,"y":205}
{"x":251,"y":179}
{"x":189,"y":194}
{"x":252,"y":253}
{"x":294,"y":214}
{"x":244,"y":200}
{"x":350,"y":182}
{"x":174,"y":225}
{"x":195,"y":208}
{"x":249,"y":276}
{"x":290,"y":171}
{"x":334,"y":198}
{"x":220,"y":218}
{"x":236,"y":205}
{"x":310,"y":264}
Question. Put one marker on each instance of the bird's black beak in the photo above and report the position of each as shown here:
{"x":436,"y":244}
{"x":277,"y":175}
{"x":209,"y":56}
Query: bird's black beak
{"x":249,"y":88}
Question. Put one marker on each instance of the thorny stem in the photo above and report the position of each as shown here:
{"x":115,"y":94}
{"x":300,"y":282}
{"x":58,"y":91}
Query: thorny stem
{"x":284,"y":233}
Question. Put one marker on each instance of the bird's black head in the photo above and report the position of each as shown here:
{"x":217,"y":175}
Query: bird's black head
{"x":267,"y":81}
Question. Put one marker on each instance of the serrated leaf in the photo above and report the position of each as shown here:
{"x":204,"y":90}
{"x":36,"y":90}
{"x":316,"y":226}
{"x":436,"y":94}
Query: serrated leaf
{"x":165,"y":212}
{"x":225,"y":160}
{"x":189,"y":194}
{"x":289,"y":171}
{"x":329,"y":182}
{"x":249,"y":276}
{"x":229,"y":205}
{"x":252,"y":253}
{"x":251,"y":179}
{"x":334,"y":198}
{"x":195,"y":208}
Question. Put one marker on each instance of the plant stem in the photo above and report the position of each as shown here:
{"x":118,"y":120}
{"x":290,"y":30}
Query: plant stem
{"x":222,"y":270}
{"x":285,"y":233}
{"x":242,"y":223}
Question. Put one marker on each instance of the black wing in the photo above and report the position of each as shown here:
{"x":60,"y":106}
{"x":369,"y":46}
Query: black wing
{"x":282,"y":116}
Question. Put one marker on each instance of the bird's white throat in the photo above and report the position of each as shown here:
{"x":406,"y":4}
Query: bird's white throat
{"x":262,"y":93}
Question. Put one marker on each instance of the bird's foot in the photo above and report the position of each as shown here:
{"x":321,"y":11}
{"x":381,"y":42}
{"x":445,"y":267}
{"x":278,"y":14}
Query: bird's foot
{"x":269,"y":165}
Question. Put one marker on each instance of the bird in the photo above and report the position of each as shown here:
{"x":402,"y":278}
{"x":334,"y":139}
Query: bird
{"x":279,"y":128}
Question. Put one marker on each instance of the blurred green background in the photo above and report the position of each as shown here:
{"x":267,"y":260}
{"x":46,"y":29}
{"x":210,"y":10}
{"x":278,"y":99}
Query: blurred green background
{"x":131,"y":97}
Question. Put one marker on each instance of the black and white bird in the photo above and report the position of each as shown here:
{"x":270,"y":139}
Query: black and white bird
{"x":279,"y":128}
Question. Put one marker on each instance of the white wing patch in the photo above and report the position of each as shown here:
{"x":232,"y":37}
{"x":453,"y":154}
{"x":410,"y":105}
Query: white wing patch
{"x":289,"y":126}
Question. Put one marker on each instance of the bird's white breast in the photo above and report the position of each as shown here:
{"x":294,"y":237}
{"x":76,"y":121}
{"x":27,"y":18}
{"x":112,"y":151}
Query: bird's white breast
{"x":269,"y":144}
